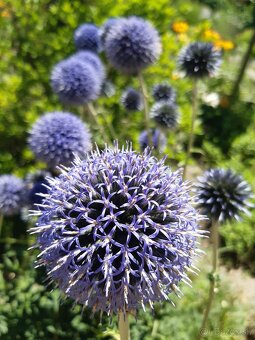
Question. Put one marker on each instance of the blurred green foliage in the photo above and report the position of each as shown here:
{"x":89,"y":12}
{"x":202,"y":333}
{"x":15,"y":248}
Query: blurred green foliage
{"x":34,"y":35}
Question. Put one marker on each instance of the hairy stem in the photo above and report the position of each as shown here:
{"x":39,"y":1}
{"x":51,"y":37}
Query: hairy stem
{"x":146,"y":107}
{"x":242,"y":69}
{"x":93,"y":114}
{"x":213,"y":275}
{"x":191,"y":133}
{"x":124,"y":326}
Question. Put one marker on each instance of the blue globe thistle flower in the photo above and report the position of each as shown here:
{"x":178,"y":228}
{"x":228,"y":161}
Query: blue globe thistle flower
{"x":75,"y":82}
{"x":56,"y":136}
{"x":117,"y":230}
{"x":37,"y":185}
{"x":105,"y":29}
{"x":199,"y":59}
{"x":158,"y":139}
{"x":12,"y":195}
{"x":92,"y":59}
{"x":86,"y":37}
{"x":222,"y":195}
{"x":165,"y":114}
{"x":132,"y":100}
{"x":132,"y":44}
{"x":163,"y":91}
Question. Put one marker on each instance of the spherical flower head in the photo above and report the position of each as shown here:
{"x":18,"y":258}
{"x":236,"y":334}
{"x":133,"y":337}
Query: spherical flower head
{"x":56,"y":136}
{"x":132,"y":100}
{"x":199,"y":60}
{"x":93,"y":60}
{"x":12,"y":195}
{"x":166,"y":114}
{"x":163,"y":91}
{"x":105,"y":29}
{"x":75,"y":82}
{"x":118,"y":230}
{"x":37,"y":186}
{"x":132,"y":44}
{"x":86,"y":37}
{"x":222,"y":195}
{"x":158,"y":139}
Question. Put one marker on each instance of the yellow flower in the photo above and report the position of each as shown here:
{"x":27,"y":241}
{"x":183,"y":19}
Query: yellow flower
{"x":211,"y":35}
{"x":180,"y":27}
{"x":225,"y":45}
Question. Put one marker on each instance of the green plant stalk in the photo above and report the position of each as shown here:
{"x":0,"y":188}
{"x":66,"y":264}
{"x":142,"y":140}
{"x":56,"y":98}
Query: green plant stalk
{"x":213,"y":276}
{"x":241,"y":72}
{"x":146,"y":107}
{"x":93,"y":114}
{"x":191,"y":133}
{"x":124,"y":326}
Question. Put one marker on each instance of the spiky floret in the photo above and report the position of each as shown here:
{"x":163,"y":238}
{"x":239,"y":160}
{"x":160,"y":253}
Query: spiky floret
{"x":132,"y":44}
{"x":199,"y":59}
{"x":165,"y":113}
{"x":158,"y":139}
{"x":132,"y":100}
{"x":222,"y":194}
{"x":117,"y":230}
{"x":92,"y":59}
{"x":56,"y":136}
{"x":75,"y":82}
{"x":12,"y":195}
{"x":163,"y":91}
{"x":86,"y":37}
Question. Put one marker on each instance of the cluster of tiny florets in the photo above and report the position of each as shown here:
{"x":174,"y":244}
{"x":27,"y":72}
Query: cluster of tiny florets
{"x":12,"y":195}
{"x":199,"y":59}
{"x":117,"y":231}
{"x":222,"y":195}
{"x":132,"y":100}
{"x":75,"y":81}
{"x":165,"y":114}
{"x":163,"y":91}
{"x":105,"y":29}
{"x":56,"y":136}
{"x":86,"y":37}
{"x":157,"y":137}
{"x":132,"y":44}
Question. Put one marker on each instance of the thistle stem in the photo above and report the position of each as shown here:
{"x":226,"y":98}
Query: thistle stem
{"x":124,"y":326}
{"x":146,"y":107}
{"x":213,"y":275}
{"x":242,"y":69}
{"x":191,"y":133}
{"x":91,"y":110}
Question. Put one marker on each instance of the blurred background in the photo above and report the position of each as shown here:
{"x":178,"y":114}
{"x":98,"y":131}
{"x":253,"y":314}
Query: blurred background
{"x":34,"y":36}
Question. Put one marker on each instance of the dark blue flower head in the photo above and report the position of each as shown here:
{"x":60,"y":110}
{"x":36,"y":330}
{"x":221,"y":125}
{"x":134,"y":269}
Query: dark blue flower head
{"x":158,"y":139}
{"x":75,"y":82}
{"x":165,"y":114}
{"x":12,"y":195}
{"x":199,"y":59}
{"x":91,"y":59}
{"x":117,"y":230}
{"x":222,"y":195}
{"x":132,"y":44}
{"x":163,"y":91}
{"x":86,"y":37}
{"x":56,"y":136}
{"x":132,"y":100}
{"x":37,"y":185}
{"x":105,"y":29}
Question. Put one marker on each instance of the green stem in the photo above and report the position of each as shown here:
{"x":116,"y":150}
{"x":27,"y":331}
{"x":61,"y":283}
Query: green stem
{"x":191,"y":133}
{"x":241,"y":72}
{"x":110,"y":128}
{"x":124,"y":326}
{"x":91,"y":110}
{"x":146,"y":107}
{"x":213,"y":275}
